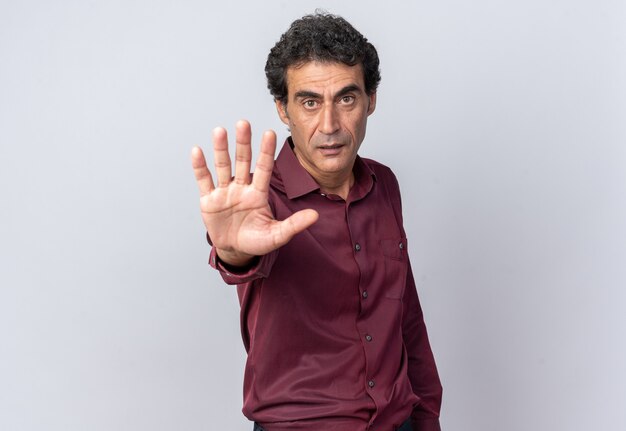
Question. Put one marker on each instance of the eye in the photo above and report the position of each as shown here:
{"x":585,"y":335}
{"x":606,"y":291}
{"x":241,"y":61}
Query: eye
{"x":310,"y":103}
{"x":348,"y":100}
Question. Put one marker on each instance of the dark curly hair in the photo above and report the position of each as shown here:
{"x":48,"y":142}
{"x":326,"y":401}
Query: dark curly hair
{"x":320,"y":37}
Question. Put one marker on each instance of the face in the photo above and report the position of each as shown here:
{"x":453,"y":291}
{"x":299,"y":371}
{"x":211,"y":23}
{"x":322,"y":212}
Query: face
{"x":326,"y":111}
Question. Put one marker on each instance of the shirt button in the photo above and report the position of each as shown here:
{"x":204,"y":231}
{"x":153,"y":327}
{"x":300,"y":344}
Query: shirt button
{"x":371,"y":383}
{"x":357,"y":247}
{"x":368,"y":337}
{"x":364,"y":294}
{"x":401,"y":246}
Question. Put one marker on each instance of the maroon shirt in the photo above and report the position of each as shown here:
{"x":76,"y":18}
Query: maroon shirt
{"x":331,"y":321}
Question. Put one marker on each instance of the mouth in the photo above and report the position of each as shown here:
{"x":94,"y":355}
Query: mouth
{"x":330,"y":150}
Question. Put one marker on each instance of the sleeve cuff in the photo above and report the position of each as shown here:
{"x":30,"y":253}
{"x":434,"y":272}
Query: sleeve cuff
{"x":260,"y":269}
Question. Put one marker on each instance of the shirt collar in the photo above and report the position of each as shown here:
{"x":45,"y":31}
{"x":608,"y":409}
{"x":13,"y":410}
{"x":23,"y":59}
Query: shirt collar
{"x":291,"y":176}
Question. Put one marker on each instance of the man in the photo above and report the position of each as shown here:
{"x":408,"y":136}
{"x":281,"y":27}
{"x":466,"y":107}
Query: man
{"x":330,"y":316}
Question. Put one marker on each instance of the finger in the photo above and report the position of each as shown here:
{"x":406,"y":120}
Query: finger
{"x":222,"y":158}
{"x":265,"y":162}
{"x":293,"y":225}
{"x":243,"y":152}
{"x":201,"y":172}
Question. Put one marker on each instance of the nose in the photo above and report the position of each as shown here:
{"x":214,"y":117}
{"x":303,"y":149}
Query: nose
{"x":329,"y":121}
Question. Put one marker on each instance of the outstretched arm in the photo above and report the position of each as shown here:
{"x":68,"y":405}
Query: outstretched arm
{"x":236,"y":211}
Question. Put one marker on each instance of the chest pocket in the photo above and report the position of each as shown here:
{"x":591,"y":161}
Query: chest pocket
{"x":395,"y":252}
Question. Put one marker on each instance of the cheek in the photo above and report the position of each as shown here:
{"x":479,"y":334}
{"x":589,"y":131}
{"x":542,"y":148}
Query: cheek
{"x":358,"y":123}
{"x":308,"y":127}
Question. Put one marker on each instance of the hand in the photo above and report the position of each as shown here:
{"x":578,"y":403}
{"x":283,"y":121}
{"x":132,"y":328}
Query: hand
{"x":236,"y":213}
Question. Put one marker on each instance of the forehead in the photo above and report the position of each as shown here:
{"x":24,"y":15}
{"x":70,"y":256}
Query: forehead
{"x":323,"y":77}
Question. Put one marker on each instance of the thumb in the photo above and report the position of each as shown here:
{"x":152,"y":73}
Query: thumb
{"x":295,"y":224}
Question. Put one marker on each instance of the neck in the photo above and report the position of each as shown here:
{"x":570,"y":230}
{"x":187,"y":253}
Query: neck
{"x":337,"y":186}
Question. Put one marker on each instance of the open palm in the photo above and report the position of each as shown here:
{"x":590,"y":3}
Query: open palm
{"x":236,"y":212}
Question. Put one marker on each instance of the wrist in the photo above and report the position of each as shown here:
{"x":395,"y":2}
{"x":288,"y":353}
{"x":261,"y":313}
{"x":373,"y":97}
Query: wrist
{"x":234,"y":259}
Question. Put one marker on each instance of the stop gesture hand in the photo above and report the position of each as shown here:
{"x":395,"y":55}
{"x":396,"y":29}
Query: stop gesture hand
{"x":236,"y":212}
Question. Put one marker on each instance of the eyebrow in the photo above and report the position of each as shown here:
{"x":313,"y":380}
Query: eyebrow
{"x":347,"y":89}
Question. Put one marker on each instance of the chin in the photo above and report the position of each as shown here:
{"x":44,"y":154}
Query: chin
{"x":334,"y":168}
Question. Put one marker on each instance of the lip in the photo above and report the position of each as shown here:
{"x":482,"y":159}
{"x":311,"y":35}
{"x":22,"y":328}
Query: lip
{"x":331,"y":150}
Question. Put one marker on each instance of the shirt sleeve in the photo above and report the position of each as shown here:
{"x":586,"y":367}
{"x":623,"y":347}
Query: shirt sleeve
{"x":421,"y":363}
{"x":259,"y":269}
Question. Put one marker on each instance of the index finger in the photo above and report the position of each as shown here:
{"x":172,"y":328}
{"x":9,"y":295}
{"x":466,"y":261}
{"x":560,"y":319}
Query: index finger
{"x":265,"y":162}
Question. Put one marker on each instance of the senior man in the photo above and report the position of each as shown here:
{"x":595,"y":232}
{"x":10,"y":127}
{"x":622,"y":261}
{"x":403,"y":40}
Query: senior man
{"x":315,"y":243}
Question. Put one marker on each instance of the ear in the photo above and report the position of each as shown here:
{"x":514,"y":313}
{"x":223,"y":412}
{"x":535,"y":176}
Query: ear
{"x":281,"y":108}
{"x":372,"y":105}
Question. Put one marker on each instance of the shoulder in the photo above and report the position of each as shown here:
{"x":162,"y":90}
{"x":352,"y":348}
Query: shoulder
{"x":387,"y":184}
{"x":383,"y":173}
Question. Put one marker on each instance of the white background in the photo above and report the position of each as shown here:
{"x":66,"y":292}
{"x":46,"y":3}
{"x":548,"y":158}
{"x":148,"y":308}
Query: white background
{"x":504,"y":121}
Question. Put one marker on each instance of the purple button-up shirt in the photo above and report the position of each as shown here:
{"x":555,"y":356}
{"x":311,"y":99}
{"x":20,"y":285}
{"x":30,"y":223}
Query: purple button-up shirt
{"x":331,"y":321}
